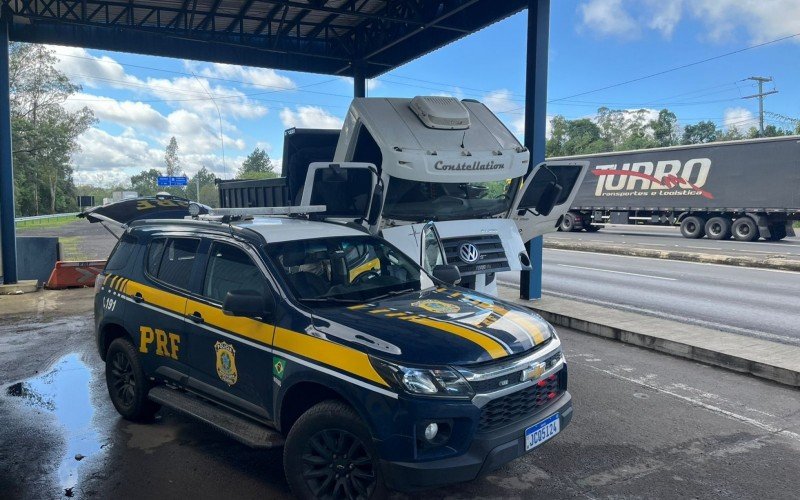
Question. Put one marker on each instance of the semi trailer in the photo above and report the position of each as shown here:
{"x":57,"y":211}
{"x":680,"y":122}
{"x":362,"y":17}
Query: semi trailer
{"x":398,"y":164}
{"x":747,"y":189}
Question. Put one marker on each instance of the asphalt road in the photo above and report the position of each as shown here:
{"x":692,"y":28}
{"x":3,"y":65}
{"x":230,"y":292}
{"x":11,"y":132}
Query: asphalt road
{"x":756,"y":302}
{"x":646,"y":425}
{"x":669,"y":238}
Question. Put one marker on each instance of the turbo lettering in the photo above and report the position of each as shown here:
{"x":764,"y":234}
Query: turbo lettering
{"x":461,"y":166}
{"x":666,"y":177}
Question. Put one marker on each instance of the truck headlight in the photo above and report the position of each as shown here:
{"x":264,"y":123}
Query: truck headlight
{"x":423,"y":381}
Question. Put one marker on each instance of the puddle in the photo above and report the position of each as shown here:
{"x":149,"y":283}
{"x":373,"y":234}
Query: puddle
{"x":64,"y":392}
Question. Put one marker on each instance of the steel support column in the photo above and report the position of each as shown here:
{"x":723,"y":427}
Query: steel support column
{"x":8,"y":240}
{"x":359,"y":82}
{"x":530,"y":286}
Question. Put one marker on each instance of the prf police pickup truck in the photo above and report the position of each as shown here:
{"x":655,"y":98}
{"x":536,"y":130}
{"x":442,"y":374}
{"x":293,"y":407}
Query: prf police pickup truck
{"x":372,"y":372}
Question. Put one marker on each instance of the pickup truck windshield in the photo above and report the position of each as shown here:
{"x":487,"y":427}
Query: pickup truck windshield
{"x":332,"y":271}
{"x":423,"y":201}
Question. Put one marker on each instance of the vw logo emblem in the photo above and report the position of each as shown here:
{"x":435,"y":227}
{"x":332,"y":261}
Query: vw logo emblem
{"x":468,"y":253}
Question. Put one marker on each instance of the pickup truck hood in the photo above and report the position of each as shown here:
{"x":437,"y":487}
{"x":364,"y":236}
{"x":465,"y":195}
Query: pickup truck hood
{"x":442,"y":326}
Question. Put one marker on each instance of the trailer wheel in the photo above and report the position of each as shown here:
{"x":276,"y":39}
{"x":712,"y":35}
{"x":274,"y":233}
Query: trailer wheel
{"x":693,"y":227}
{"x":718,"y":228}
{"x":777,"y":232}
{"x":745,"y":229}
{"x":568,"y":224}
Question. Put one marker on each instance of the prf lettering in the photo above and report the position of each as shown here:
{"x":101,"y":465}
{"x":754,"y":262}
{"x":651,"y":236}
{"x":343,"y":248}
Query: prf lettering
{"x":147,"y":336}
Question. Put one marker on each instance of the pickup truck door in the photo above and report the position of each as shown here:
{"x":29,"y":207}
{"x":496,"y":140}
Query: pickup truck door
{"x":566,"y":174}
{"x":345,"y":188}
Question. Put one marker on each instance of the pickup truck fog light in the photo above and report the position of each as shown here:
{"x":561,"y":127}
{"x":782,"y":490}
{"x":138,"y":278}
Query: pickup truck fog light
{"x":431,"y":430}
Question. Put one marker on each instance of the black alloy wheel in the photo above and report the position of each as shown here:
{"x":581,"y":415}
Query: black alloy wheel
{"x":123,"y":381}
{"x":338,"y":465}
{"x":127,"y":384}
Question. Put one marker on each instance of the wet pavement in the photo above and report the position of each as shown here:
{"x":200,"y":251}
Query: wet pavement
{"x":646,"y":426}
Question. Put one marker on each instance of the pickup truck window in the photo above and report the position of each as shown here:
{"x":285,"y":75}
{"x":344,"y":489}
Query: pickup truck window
{"x":175,"y":260}
{"x":418,"y":201}
{"x":328,"y":271}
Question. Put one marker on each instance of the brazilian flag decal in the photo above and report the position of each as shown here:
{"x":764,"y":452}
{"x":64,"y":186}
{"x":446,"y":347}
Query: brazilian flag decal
{"x":278,"y":367}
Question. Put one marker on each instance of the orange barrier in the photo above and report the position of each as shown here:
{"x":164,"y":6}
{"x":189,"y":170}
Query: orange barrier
{"x":68,"y":274}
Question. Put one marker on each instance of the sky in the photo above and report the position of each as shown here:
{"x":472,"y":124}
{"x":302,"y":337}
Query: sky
{"x":602,"y":53}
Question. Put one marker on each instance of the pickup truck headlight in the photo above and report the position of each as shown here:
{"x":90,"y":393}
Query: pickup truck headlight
{"x":423,"y":381}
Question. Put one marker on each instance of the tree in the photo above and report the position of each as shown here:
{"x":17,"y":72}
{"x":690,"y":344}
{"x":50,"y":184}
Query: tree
{"x":700,"y":133}
{"x":665,"y":129}
{"x":257,"y":165}
{"x":146,"y":182}
{"x":208,"y":191}
{"x":732,"y":134}
{"x":558,"y":136}
{"x":171,"y":160}
{"x":44,"y":133}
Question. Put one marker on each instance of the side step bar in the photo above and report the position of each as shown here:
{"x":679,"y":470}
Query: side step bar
{"x":237,"y":427}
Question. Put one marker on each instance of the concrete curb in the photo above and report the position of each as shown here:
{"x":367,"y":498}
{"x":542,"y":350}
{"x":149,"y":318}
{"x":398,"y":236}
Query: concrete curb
{"x":761,"y":358}
{"x":767,"y":262}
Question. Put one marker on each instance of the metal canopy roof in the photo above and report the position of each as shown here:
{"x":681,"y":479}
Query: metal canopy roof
{"x":341,"y":37}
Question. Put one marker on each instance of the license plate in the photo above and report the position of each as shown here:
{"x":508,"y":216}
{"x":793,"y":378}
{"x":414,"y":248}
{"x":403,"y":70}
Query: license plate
{"x":541,"y":432}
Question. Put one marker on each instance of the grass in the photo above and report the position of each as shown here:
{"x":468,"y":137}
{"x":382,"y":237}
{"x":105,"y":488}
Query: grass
{"x":70,"y":248}
{"x":45,"y":223}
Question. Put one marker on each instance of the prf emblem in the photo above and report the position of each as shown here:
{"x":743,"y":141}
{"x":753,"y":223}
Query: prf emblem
{"x":437,"y":306}
{"x":534,"y":371}
{"x":226,"y":362}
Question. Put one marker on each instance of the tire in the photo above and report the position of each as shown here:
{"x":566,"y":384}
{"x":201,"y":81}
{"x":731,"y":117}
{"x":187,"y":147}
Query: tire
{"x":126,"y":382}
{"x":693,"y":227}
{"x":777,"y":232}
{"x":718,"y":228}
{"x":744,"y":229}
{"x":568,"y":223}
{"x":331,"y":429}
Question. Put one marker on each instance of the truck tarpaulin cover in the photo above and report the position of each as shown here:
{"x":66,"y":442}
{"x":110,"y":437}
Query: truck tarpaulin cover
{"x":761,"y":174}
{"x":127,"y":211}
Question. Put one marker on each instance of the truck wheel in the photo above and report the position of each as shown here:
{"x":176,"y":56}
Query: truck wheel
{"x":126,"y":382}
{"x":568,"y":223}
{"x":693,"y":227}
{"x":777,"y":232}
{"x":718,"y":228}
{"x":745,"y":229}
{"x":329,"y":454}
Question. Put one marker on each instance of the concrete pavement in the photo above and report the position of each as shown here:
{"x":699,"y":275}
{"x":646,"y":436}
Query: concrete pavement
{"x":646,"y":426}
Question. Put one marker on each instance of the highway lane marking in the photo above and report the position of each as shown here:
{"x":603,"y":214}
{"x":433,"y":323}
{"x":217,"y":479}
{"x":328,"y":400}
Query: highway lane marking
{"x":740,"y":268}
{"x":697,"y":402}
{"x":619,"y":272}
{"x":698,"y":248}
{"x":658,"y":314}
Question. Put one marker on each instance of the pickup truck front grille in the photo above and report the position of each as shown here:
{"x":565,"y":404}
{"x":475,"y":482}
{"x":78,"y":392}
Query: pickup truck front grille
{"x":491,"y":256}
{"x":520,"y":404}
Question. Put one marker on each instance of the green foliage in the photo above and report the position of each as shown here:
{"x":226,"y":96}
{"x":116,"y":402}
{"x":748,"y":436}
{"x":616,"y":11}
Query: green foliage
{"x":665,"y":129}
{"x":146,"y":182}
{"x":257,"y":165}
{"x":208,"y":194}
{"x":44,"y":133}
{"x":699,"y":133}
{"x":171,"y":160}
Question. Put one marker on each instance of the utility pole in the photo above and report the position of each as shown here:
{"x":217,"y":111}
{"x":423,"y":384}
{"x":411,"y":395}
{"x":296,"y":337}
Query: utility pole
{"x":761,"y":80}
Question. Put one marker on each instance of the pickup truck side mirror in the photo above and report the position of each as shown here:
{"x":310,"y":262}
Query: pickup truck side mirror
{"x":547,"y":200}
{"x":448,"y":273}
{"x":249,"y":304}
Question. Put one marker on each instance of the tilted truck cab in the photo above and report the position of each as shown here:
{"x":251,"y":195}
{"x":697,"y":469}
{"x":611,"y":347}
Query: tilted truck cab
{"x":316,"y":336}
{"x":424,"y":159}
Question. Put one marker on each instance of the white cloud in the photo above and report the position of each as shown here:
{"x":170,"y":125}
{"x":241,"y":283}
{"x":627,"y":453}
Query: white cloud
{"x":608,"y":18}
{"x":91,"y":71}
{"x":195,"y":93}
{"x":500,"y":101}
{"x":261,"y":77}
{"x":132,"y":114}
{"x":722,"y":20}
{"x":372,"y":83}
{"x":739,"y":118}
{"x":309,"y":117}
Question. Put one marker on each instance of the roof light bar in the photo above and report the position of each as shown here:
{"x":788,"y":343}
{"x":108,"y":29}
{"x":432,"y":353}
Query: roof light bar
{"x":300,"y":209}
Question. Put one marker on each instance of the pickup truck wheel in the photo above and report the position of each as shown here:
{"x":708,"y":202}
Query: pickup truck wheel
{"x":567,"y":223}
{"x":718,"y":228}
{"x":693,"y":227}
{"x":745,"y":229}
{"x":126,"y":382}
{"x":329,"y":454}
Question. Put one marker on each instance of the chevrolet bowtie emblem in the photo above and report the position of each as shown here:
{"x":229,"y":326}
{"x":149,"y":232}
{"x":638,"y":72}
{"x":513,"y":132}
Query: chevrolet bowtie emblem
{"x":534,"y":371}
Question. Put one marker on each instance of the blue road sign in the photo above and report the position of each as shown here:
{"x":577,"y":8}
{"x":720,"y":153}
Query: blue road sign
{"x":172,"y":181}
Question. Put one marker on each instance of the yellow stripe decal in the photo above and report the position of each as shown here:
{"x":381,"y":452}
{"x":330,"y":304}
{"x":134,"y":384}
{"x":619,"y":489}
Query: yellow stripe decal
{"x":377,"y":311}
{"x":329,"y":353}
{"x":243,"y":327}
{"x":105,"y":281}
{"x":491,"y":346}
{"x":530,"y":327}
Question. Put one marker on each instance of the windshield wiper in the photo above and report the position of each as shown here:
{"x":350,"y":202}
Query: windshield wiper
{"x":393,"y":293}
{"x":333,"y":299}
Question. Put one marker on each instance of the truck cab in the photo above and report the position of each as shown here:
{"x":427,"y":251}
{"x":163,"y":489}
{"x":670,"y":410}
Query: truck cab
{"x":399,"y":163}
